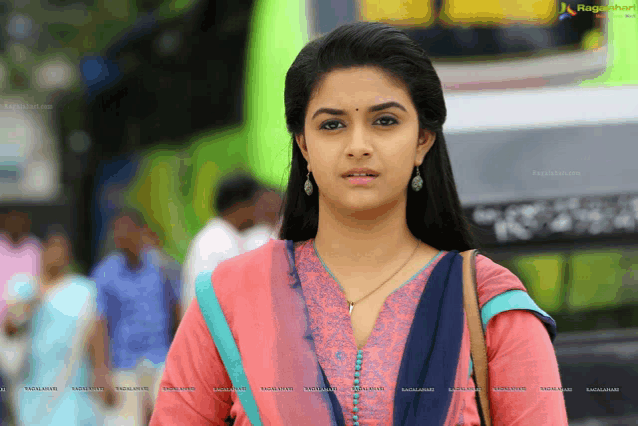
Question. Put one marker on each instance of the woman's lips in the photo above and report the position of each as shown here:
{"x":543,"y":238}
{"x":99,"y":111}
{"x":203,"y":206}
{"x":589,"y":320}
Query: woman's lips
{"x":360,"y":180}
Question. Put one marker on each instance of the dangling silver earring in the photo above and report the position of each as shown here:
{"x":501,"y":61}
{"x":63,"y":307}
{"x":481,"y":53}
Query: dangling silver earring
{"x":417,"y":182}
{"x":308,"y":185}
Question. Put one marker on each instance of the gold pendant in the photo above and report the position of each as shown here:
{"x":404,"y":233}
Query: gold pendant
{"x":351,"y":306}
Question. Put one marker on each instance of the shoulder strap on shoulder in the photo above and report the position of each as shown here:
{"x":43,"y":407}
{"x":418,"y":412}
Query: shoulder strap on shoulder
{"x":478,"y":347}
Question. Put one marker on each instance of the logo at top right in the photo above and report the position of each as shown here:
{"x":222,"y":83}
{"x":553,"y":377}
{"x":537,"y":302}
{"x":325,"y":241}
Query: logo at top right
{"x":567,"y":12}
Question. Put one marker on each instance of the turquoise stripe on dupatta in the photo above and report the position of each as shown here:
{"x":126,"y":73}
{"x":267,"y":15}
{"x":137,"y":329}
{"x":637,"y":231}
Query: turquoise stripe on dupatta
{"x":510,"y":300}
{"x":513,"y":300}
{"x":223,"y":338}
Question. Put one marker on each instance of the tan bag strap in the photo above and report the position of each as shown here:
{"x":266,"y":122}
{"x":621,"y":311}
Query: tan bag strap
{"x":477,"y":338}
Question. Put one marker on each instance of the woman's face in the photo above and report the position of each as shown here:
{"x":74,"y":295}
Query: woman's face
{"x":361,"y":118}
{"x":16,"y":223}
{"x":56,"y":252}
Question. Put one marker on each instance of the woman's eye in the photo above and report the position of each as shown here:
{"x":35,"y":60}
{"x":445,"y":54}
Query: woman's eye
{"x":329,"y":123}
{"x":387,"y":121}
{"x":389,"y":118}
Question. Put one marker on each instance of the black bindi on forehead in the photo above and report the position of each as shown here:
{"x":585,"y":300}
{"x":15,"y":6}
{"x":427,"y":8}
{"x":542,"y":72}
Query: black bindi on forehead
{"x":357,"y":109}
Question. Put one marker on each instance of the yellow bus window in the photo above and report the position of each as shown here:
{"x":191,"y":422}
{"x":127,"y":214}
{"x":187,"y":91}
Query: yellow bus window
{"x":596,"y":280}
{"x":499,"y":12}
{"x":543,"y":278}
{"x":398,"y":12}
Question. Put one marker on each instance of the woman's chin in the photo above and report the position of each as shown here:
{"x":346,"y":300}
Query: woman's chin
{"x":372,"y":207}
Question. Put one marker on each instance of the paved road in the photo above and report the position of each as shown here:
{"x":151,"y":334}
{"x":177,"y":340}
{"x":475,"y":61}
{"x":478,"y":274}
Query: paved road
{"x":596,"y":360}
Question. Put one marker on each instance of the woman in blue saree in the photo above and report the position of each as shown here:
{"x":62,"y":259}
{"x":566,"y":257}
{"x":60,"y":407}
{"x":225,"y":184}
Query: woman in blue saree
{"x":57,"y":374}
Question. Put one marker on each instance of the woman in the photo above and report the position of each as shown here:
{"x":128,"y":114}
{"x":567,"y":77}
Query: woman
{"x":63,"y":316}
{"x":356,"y":316}
{"x":20,"y":252}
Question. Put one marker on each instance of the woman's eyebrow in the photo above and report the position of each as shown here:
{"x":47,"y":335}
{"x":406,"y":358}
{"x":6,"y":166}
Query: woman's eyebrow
{"x":373,"y":108}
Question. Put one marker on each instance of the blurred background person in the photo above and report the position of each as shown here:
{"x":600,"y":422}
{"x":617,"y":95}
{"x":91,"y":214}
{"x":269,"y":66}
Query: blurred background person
{"x":20,"y":257}
{"x":267,"y":220}
{"x":20,"y":294}
{"x":134,"y":305}
{"x":20,"y":251}
{"x":63,"y":306}
{"x":236,"y":203}
{"x":153,"y":242}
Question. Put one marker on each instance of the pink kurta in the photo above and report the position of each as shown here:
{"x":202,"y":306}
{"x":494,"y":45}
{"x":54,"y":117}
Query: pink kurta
{"x":516,"y":359}
{"x":383,"y":351}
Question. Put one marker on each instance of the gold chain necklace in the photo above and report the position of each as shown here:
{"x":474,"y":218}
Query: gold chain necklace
{"x":350,"y":303}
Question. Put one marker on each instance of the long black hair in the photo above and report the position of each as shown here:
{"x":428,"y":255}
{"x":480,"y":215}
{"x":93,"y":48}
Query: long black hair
{"x":434,"y":214}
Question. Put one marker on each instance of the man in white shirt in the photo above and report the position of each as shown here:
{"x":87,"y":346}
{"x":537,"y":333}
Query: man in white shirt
{"x":221,"y":238}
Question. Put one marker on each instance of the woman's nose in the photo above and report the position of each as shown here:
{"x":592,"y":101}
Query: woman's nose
{"x":359,"y":144}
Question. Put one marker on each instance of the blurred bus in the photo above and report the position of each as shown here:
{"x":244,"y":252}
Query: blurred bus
{"x":548,"y":177}
{"x":551,"y":183}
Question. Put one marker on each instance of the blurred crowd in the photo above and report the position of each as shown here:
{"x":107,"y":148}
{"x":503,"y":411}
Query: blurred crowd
{"x":90,"y":349}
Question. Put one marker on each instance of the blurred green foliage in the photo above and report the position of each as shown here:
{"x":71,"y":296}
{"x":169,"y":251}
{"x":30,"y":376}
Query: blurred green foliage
{"x":63,"y":33}
{"x":77,"y":29}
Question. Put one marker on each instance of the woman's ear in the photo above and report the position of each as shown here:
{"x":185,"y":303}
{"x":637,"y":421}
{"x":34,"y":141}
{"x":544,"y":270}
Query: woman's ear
{"x":425,"y":143}
{"x":303,"y":147}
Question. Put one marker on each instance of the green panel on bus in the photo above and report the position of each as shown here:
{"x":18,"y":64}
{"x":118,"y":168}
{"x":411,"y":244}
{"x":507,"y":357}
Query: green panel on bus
{"x":596,"y":280}
{"x":543,"y":277}
{"x":277,"y":32}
